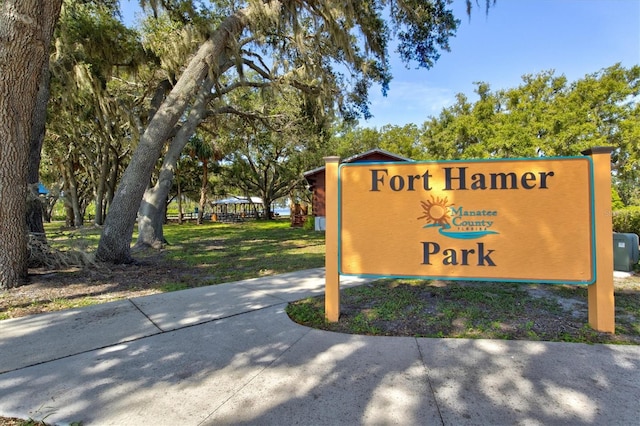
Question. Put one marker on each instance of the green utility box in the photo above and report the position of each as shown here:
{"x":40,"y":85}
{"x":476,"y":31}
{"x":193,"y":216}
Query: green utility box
{"x":625,"y":251}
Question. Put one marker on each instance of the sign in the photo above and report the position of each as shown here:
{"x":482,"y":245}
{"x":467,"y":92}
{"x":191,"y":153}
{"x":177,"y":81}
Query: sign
{"x":527,"y":220}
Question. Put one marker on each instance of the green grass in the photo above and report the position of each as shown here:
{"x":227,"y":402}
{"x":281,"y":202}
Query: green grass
{"x":467,"y":310}
{"x":628,"y":312}
{"x":224,"y":252}
{"x":196,"y":256}
{"x":61,"y":238}
{"x":231,"y":252}
{"x":166,"y":288}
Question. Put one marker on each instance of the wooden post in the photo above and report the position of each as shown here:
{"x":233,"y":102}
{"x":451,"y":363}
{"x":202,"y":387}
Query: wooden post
{"x":600,"y":297}
{"x":332,"y":277}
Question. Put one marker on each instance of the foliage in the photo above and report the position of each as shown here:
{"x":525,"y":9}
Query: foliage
{"x":404,"y":141}
{"x":627,"y":220}
{"x":545,"y":116}
{"x":616,"y":201}
{"x":188,"y":177}
{"x":270,"y":144}
{"x":203,"y":149}
{"x":93,"y":108}
{"x":170,"y":41}
{"x":351,"y":141}
{"x":401,"y":140}
{"x":309,"y":224}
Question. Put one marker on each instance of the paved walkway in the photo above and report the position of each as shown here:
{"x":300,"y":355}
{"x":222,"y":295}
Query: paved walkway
{"x":228,"y":354}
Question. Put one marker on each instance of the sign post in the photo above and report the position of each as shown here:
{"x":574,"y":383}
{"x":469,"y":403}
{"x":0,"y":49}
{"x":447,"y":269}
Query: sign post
{"x":600,"y":294}
{"x":332,"y":277}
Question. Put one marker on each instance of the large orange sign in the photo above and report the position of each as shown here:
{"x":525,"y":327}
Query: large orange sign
{"x":506,"y":220}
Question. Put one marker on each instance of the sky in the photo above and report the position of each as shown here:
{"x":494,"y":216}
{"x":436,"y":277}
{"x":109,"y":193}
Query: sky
{"x":518,"y":37}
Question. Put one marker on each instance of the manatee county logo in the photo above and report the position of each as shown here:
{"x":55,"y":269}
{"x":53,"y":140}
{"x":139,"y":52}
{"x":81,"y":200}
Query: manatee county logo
{"x":456,"y":222}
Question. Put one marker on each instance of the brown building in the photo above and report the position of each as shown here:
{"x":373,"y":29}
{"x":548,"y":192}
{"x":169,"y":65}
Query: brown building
{"x":316,"y":180}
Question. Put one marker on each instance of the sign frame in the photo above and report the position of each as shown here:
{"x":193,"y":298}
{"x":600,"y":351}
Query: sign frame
{"x":348,"y":168}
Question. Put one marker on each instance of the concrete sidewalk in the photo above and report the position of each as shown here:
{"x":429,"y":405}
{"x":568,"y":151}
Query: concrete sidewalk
{"x":228,"y":354}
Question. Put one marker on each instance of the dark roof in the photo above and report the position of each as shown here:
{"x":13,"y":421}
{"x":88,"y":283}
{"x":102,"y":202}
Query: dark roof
{"x":355,"y":158}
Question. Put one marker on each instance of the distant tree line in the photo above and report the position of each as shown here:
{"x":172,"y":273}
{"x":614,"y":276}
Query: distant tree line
{"x":545,"y":116}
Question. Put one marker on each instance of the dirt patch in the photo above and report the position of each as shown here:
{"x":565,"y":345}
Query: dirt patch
{"x":51,"y":290}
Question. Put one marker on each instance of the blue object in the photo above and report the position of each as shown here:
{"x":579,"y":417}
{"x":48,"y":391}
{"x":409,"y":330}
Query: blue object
{"x":42,"y":190}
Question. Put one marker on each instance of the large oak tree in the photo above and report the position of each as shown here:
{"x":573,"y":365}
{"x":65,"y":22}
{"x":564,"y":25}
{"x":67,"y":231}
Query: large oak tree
{"x":26,"y":28}
{"x":350,"y":35}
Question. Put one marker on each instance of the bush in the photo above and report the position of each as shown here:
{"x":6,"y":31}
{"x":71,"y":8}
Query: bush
{"x":627,"y":220}
{"x":616,"y":201}
{"x":309,"y":223}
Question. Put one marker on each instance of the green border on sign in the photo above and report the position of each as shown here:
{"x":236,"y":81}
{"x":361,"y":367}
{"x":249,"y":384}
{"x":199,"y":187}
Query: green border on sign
{"x":496,"y":160}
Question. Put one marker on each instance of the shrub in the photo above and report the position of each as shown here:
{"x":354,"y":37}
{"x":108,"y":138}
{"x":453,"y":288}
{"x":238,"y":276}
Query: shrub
{"x":616,"y":201}
{"x":309,"y":223}
{"x":627,"y":220}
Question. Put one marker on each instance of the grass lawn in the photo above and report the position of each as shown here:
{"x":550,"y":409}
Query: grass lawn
{"x":231,"y":252}
{"x":224,"y":251}
{"x":468,"y":309}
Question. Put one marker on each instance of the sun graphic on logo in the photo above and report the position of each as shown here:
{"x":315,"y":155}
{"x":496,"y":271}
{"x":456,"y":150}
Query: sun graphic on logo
{"x":436,"y":211}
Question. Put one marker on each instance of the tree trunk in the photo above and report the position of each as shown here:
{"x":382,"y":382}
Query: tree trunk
{"x":179,"y":204}
{"x":101,"y":187}
{"x":115,"y":240}
{"x":151,"y":218}
{"x":35,"y":211}
{"x":34,"y":205}
{"x":50,"y":204}
{"x":153,"y":206}
{"x":266,"y":205}
{"x":203,"y":191}
{"x":68,"y":211}
{"x":111,"y":183}
{"x":25,"y":34}
{"x":72,"y":194}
